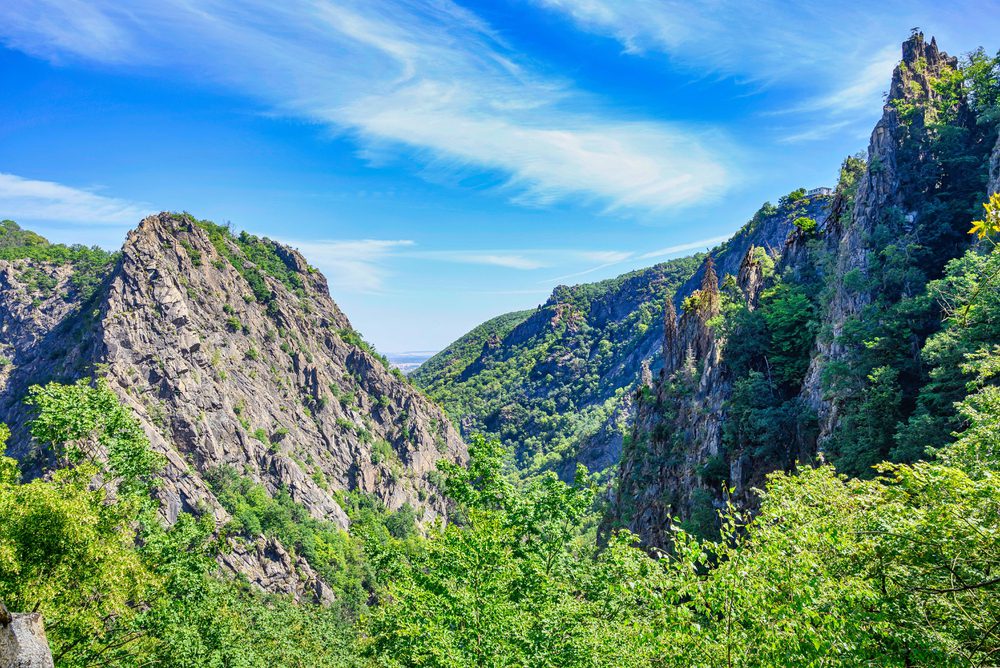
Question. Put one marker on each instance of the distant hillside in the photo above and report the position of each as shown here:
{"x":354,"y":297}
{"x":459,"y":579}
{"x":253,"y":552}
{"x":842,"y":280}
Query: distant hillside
{"x":549,"y":379}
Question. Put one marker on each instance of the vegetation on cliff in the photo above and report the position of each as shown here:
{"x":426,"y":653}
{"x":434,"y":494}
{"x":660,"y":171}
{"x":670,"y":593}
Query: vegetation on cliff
{"x":87,"y":264}
{"x":898,"y":570}
{"x":543,"y":381}
{"x":895,"y":571}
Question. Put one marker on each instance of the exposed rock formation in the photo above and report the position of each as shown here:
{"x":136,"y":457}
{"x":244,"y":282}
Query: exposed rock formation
{"x":22,"y":640}
{"x":678,"y":424}
{"x":225,"y":364}
{"x":267,"y":564}
{"x":878,"y":193}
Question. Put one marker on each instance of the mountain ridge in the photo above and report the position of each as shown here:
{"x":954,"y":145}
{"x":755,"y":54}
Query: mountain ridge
{"x":818,"y":352}
{"x":231,"y":353}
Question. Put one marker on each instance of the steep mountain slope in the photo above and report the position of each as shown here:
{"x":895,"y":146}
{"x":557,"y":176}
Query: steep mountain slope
{"x":768,"y":229}
{"x":232,"y":354}
{"x":824,"y":350}
{"x":553,"y":383}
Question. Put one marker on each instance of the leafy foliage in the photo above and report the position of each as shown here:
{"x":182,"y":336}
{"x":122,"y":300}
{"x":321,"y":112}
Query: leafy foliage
{"x":543,"y":381}
{"x":805,"y":225}
{"x":896,"y":571}
{"x":84,"y":421}
{"x":767,"y":351}
{"x":910,"y":283}
{"x":90,"y":264}
{"x":333,"y":553}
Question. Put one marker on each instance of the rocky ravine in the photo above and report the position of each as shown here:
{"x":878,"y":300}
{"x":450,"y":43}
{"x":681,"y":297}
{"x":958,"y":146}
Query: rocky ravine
{"x":569,"y":367}
{"x":279,"y":387}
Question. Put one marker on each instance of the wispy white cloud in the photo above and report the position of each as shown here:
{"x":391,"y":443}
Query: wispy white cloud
{"x":857,"y":90}
{"x":814,"y":132}
{"x":837,"y":56}
{"x":582,"y":272}
{"x":611,"y":258}
{"x":490,"y":258}
{"x":355,"y":265}
{"x":756,"y":41}
{"x":701,"y":244}
{"x":365,"y":265}
{"x":423,"y":75}
{"x":25,"y":199}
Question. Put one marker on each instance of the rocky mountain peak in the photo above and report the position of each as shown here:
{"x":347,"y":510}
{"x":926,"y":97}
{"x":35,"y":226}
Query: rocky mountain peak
{"x":922,"y":63}
{"x":232,"y":354}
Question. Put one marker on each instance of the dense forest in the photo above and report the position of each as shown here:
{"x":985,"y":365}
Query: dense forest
{"x":811,"y":477}
{"x":546,"y":380}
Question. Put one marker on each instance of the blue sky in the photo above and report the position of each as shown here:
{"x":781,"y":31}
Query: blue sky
{"x":443,"y":162}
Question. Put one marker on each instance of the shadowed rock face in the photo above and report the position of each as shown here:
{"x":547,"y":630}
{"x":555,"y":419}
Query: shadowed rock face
{"x":679,"y":420}
{"x":227,"y":365}
{"x":23,"y":643}
{"x":878,"y":191}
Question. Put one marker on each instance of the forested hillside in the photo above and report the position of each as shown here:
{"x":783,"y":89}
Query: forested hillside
{"x":554,"y":383}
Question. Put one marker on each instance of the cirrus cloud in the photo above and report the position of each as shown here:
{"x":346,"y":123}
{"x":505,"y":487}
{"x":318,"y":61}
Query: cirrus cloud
{"x":419,"y":80}
{"x":36,"y":200}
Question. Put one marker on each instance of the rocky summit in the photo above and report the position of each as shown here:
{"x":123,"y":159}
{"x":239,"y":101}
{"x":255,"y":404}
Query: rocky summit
{"x":231,"y":352}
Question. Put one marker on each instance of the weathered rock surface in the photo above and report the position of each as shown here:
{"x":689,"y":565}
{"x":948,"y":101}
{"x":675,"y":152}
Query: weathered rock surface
{"x":679,"y":419}
{"x":281,"y":391}
{"x":878,"y":193}
{"x":23,"y":643}
{"x":675,"y":455}
{"x":266,"y":563}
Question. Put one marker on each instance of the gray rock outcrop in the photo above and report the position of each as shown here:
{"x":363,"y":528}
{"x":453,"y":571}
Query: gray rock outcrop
{"x":22,"y":641}
{"x":226,"y":364}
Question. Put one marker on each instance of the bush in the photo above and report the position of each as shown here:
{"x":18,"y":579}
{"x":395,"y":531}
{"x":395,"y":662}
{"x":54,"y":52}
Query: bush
{"x":805,"y":225}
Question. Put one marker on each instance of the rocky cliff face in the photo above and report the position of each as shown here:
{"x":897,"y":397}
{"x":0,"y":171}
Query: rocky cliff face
{"x":22,"y":641}
{"x":231,"y":352}
{"x":879,"y":195}
{"x":675,"y":462}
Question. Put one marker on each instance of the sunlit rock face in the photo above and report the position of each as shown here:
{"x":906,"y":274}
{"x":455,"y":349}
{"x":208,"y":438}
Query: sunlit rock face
{"x":225,"y":364}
